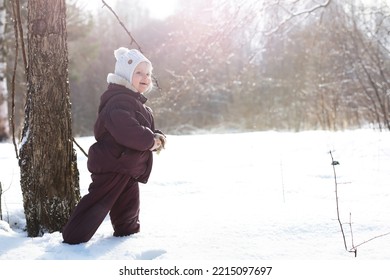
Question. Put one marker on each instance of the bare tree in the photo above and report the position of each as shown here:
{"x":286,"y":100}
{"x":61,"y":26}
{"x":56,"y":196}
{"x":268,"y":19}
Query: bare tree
{"x":369,"y":56}
{"x":49,"y":175}
{"x":4,"y":124}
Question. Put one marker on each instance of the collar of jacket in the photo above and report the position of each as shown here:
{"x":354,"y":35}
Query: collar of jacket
{"x":114,"y":81}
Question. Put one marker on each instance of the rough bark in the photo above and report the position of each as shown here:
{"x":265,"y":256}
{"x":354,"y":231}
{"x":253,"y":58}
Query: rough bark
{"x":49,"y":175}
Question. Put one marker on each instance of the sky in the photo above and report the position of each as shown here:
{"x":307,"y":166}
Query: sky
{"x":240,"y":199}
{"x":159,"y":9}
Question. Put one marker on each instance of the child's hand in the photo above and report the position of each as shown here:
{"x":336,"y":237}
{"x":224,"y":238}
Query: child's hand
{"x":159,"y":142}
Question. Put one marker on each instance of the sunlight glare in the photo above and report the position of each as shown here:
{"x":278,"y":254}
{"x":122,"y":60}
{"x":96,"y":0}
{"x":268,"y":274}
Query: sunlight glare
{"x":158,"y":9}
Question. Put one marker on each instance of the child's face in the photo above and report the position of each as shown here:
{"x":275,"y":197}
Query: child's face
{"x":142,"y":77}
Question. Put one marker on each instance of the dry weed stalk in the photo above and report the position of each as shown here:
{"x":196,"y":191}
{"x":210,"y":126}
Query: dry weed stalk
{"x":353,"y":248}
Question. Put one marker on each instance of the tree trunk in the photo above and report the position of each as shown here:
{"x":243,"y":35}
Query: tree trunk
{"x":4,"y":124}
{"x":48,"y":166}
{"x":1,"y":211}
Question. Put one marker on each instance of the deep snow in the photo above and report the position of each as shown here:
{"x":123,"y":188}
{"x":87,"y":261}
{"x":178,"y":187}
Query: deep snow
{"x":244,"y":196}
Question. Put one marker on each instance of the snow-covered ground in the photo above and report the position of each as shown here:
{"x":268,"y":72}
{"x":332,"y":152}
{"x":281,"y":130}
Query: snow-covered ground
{"x":244,"y":196}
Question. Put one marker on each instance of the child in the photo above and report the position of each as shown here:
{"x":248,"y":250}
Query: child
{"x":122,"y":154}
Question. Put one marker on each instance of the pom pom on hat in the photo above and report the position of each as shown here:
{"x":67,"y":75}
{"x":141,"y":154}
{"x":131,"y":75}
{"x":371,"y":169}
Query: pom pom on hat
{"x":126,"y":62}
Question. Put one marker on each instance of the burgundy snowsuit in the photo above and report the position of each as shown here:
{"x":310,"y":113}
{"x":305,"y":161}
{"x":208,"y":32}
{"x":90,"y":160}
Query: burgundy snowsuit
{"x":118,"y":160}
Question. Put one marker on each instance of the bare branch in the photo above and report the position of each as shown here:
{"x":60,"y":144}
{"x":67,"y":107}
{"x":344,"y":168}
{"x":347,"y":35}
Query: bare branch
{"x":293,"y":15}
{"x":364,"y":242}
{"x":20,"y":27}
{"x":132,"y":39}
{"x":81,"y":149}
{"x":123,"y":25}
{"x":14,"y":10}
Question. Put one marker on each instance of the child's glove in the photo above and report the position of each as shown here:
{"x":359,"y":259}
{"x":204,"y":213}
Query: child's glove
{"x":162,"y":139}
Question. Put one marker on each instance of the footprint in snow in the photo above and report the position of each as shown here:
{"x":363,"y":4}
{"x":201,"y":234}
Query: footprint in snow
{"x":150,"y":254}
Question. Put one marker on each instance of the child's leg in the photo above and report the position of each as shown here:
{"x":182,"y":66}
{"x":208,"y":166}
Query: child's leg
{"x":125,"y":212}
{"x":94,"y":207}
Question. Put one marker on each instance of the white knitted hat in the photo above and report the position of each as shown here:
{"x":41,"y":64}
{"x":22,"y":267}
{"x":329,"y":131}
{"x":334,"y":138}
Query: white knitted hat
{"x":126,"y":61}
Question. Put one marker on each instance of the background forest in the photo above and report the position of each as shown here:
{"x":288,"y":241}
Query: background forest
{"x":225,"y":65}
